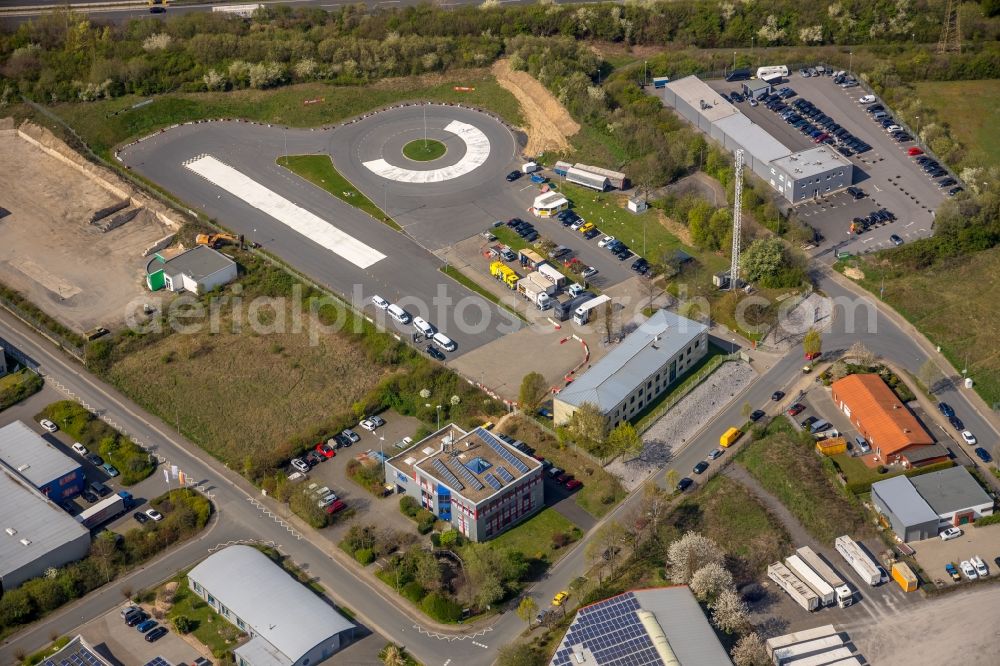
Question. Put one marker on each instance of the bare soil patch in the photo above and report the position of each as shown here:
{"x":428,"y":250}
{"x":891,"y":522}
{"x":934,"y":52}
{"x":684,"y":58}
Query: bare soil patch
{"x":854,"y":273}
{"x":549,"y":124}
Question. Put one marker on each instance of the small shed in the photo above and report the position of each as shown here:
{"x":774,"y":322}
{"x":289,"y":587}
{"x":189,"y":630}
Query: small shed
{"x":197,"y":270}
{"x":756,"y":88}
{"x":637,"y":204}
{"x":549,"y":204}
{"x":529,"y":258}
{"x":660,"y":82}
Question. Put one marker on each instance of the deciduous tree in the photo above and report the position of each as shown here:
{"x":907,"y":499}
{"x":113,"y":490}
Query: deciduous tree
{"x":812,"y":343}
{"x":690,"y":553}
{"x":729,"y":612}
{"x":624,"y":439}
{"x":590,"y":423}
{"x":527,"y":609}
{"x":533,"y":390}
{"x":750,"y":651}
{"x":708,"y":582}
{"x":862,"y":354}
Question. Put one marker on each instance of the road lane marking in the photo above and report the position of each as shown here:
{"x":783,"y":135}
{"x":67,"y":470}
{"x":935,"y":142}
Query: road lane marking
{"x":477,"y":149}
{"x":294,"y":217}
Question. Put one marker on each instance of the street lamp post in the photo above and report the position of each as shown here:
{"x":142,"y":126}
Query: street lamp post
{"x":381,"y":450}
{"x":439,"y":416}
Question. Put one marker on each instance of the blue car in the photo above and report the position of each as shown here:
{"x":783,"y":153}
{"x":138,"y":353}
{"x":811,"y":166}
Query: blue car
{"x":143,"y":627}
{"x":983,"y":454}
{"x":946,"y":409}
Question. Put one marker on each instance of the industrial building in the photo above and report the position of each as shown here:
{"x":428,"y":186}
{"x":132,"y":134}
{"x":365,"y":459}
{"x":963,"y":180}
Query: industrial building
{"x":37,"y":533}
{"x":287,"y":623}
{"x":890,"y":427}
{"x":632,"y":375}
{"x":52,"y":472}
{"x":474,"y":480}
{"x":921,"y":506}
{"x":642,"y":628}
{"x":798,"y":176}
{"x":198,"y":270}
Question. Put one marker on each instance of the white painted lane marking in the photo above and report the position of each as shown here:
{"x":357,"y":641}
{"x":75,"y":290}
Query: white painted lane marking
{"x":294,"y":217}
{"x":477,"y":149}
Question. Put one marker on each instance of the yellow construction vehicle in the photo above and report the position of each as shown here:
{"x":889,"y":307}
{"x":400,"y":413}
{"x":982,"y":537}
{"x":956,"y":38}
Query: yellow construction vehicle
{"x":216,"y":240}
{"x":502,"y":272}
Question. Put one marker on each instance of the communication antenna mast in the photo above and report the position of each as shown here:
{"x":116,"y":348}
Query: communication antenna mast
{"x":734,"y":267}
{"x":951,"y":32}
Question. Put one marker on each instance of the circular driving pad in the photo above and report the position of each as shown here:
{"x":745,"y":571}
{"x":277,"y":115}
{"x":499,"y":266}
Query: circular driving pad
{"x":424,"y":150}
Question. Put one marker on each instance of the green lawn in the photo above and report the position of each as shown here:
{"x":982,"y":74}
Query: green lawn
{"x":534,"y":537}
{"x":424,"y":150}
{"x":319,"y":170}
{"x":785,"y":463}
{"x":972,"y":110}
{"x":953,"y":305}
{"x":727,"y":512}
{"x":102,"y":131}
{"x":214,"y":632}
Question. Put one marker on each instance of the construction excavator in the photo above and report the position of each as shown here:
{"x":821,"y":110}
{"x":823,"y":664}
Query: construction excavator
{"x":216,"y":241}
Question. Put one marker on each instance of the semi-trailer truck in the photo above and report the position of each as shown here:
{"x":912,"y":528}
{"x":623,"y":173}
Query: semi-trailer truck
{"x":105,"y":510}
{"x":813,"y":581}
{"x":826,"y":658}
{"x":843,"y":592}
{"x":582,"y":314}
{"x":803,"y":636}
{"x":795,"y":588}
{"x":859,"y":560}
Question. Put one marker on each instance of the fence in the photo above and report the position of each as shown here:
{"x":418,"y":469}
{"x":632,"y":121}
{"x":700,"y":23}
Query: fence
{"x":689,"y":385}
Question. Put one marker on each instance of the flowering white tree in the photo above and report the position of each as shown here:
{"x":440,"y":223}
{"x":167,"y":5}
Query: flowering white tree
{"x":750,"y":651}
{"x":730,"y":613}
{"x":690,"y":553}
{"x":710,"y":581}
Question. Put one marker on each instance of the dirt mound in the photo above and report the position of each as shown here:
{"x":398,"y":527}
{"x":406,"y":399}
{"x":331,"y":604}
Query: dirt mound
{"x":854,"y":273}
{"x":549,"y":124}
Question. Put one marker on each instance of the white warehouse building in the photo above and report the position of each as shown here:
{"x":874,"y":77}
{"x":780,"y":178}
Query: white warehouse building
{"x":798,"y":176}
{"x":636,"y":372}
{"x":287,"y":623}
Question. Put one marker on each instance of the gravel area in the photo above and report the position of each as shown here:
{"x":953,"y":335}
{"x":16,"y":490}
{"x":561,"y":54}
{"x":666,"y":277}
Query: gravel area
{"x":679,"y":424}
{"x":814,"y":310}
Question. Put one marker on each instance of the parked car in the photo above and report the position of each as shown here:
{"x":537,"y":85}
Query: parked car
{"x":777,"y":395}
{"x":100,"y":489}
{"x":300,"y":465}
{"x":700,"y":467}
{"x":143,"y":627}
{"x":808,"y":421}
{"x":946,"y":409}
{"x":80,"y":448}
{"x":573,"y":484}
{"x":856,"y":192}
{"x":980,"y":566}
{"x":89,"y":496}
{"x":896,"y":240}
{"x":560,"y":598}
{"x":48,"y":425}
{"x":715,"y":454}
{"x":684,"y":484}
{"x":913,"y":150}
{"x":953,"y":572}
{"x":796,"y":409}
{"x":513,"y":175}
{"x":435,"y":353}
{"x":314,"y":458}
{"x":380,"y":302}
{"x":351,"y":436}
{"x":983,"y":454}
{"x":156,"y":634}
{"x":128,"y":608}
{"x":135,"y":618}
{"x":968,"y":570}
{"x":756,"y":414}
{"x":110,"y":470}
{"x":140,"y":517}
{"x":950,"y":533}
{"x":154,"y":514}
{"x":605,"y":241}
{"x":969,"y":438}
{"x":588,"y":272}
{"x":956,"y":423}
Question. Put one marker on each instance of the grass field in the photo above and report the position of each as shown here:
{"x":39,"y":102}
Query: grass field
{"x":955,"y":305}
{"x":534,"y":536}
{"x":423,"y":150}
{"x":725,"y":511}
{"x":786,"y":465}
{"x":319,"y":170}
{"x":211,"y":630}
{"x":102,"y":131}
{"x":601,"y":490}
{"x":972,"y":110}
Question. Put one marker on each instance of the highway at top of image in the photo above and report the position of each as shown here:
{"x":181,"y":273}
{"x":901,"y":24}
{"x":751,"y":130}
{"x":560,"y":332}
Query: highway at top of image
{"x":375,"y":605}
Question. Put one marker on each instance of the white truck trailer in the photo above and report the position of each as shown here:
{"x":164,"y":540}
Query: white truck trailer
{"x":803,"y":636}
{"x":821,"y":659}
{"x":844,"y":594}
{"x":795,"y":588}
{"x":823,"y":590}
{"x":582,"y":314}
{"x":809,"y":648}
{"x":858,"y":559}
{"x":850,"y":661}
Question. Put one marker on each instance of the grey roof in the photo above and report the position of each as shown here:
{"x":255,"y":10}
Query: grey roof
{"x":950,"y":490}
{"x":903,"y":500}
{"x":30,"y":455}
{"x":916,"y":454}
{"x":812,"y":162}
{"x":612,"y":631}
{"x":197,"y":263}
{"x":754,"y":138}
{"x":34,"y":517}
{"x":279,"y":609}
{"x":259,"y":652}
{"x":646,"y":349}
{"x":694,"y":91}
{"x":756,"y":84}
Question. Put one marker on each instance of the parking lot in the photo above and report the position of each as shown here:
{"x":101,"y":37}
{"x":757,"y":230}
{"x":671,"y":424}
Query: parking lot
{"x":934,"y":554}
{"x":122,"y":644}
{"x":888,"y":176}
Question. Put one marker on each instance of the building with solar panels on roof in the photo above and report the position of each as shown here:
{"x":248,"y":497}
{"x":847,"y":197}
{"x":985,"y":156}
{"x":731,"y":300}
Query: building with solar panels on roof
{"x":656,"y":627}
{"x":77,"y":652}
{"x":476,"y":481}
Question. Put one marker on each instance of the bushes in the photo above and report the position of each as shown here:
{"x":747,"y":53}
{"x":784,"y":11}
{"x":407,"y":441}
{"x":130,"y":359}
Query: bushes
{"x":18,"y":386}
{"x":408,"y":506}
{"x":134,"y":463}
{"x":365,"y":556}
{"x":441,"y":608}
{"x":368,"y":477}
{"x":413,"y":591}
{"x":183,"y":624}
{"x":988,"y":520}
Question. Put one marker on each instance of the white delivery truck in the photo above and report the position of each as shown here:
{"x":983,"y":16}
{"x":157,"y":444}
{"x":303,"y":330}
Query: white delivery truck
{"x":845,"y":596}
{"x":582,"y":314}
{"x":812,"y":580}
{"x":795,"y":588}
{"x":530,"y":167}
{"x":858,"y":559}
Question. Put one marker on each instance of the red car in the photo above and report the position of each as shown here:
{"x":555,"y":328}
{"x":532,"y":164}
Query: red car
{"x":796,"y":409}
{"x":573,"y":484}
{"x":914,"y":151}
{"x":337,"y":505}
{"x":564,"y":478}
{"x":325,"y":450}
{"x":814,"y":355}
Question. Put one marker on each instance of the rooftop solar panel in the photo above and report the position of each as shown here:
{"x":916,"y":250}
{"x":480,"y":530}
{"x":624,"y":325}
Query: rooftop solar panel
{"x":467,"y":474}
{"x":447,"y":476}
{"x":492,"y":480}
{"x":505,"y":475}
{"x":502,"y":450}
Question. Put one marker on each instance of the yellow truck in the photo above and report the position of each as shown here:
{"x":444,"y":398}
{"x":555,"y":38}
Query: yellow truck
{"x":505,"y":274}
{"x":729,"y":437}
{"x":903,"y":575}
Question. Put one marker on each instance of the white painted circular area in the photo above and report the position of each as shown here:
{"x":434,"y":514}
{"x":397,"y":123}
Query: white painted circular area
{"x":477,"y":149}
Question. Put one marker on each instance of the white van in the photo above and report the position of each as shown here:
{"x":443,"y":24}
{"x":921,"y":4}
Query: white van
{"x":398,"y":313}
{"x":444,"y":342}
{"x":380,"y":302}
{"x":423,"y":327}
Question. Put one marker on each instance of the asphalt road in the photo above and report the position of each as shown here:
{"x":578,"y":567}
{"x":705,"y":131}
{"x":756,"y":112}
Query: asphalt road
{"x":409,"y":275}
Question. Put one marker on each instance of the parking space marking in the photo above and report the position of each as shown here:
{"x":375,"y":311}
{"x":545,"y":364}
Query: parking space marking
{"x":281,"y":209}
